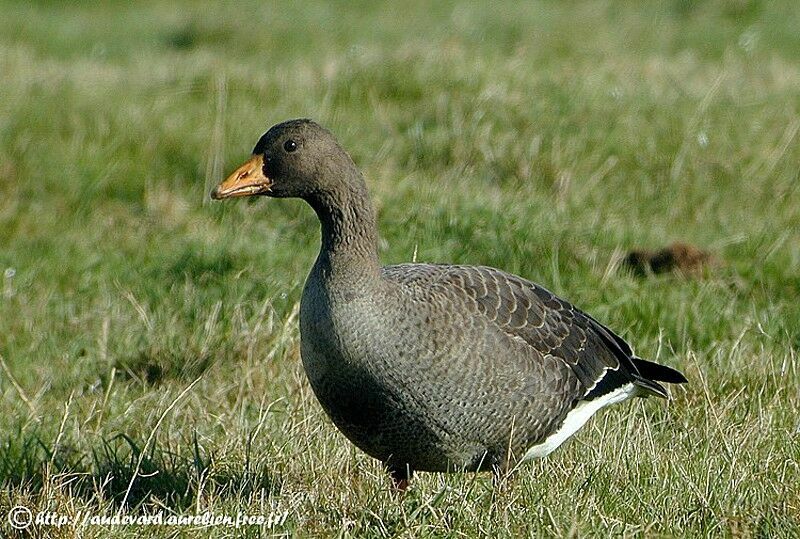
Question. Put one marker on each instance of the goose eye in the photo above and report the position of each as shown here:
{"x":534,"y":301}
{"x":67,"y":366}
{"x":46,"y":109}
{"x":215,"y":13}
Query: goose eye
{"x":290,"y":145}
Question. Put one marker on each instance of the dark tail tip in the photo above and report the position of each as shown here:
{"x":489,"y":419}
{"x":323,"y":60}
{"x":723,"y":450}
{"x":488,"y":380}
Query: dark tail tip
{"x":659,"y":373}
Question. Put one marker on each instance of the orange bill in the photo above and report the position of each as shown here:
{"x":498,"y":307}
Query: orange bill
{"x":247,"y":180}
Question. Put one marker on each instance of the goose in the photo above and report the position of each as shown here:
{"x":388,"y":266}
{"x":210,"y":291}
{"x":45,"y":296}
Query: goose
{"x":433,"y":367}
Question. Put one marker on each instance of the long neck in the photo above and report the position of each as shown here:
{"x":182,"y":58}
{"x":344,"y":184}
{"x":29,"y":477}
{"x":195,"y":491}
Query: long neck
{"x":349,"y":250}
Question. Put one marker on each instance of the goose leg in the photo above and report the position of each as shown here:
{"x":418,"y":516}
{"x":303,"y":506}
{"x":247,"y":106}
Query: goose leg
{"x":401,"y":476}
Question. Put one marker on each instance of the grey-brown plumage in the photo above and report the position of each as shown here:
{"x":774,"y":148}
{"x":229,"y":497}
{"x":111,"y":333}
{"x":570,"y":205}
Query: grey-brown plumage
{"x":433,"y":367}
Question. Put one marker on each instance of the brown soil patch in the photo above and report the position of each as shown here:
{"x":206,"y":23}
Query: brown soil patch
{"x":681,"y":258}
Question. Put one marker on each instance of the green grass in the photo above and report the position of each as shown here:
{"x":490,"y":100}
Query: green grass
{"x":545,"y":139}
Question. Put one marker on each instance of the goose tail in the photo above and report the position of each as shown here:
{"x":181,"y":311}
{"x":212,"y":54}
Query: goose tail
{"x":651,"y":373}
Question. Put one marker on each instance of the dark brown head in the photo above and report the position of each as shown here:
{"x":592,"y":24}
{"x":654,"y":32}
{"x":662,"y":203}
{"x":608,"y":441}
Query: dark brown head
{"x":297,"y":158}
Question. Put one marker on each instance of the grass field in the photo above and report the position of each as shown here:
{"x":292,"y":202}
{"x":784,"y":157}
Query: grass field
{"x":149,"y":338}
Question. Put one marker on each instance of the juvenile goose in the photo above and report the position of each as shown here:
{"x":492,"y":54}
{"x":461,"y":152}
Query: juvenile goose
{"x":433,"y":367}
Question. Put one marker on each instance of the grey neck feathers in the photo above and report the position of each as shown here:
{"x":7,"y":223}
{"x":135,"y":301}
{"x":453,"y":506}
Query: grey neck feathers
{"x":349,"y":250}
